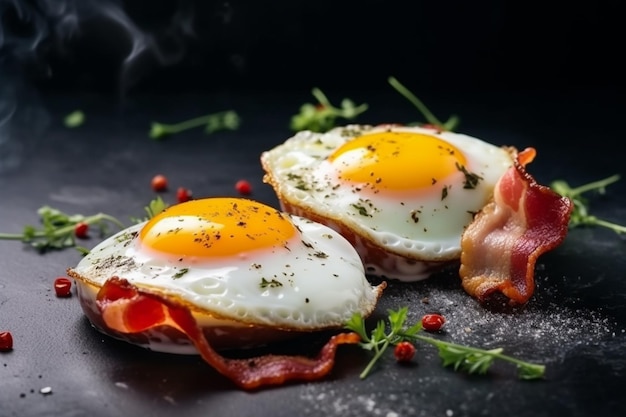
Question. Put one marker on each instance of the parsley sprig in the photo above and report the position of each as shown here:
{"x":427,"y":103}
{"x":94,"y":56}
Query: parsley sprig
{"x":214,"y":122}
{"x":450,"y":124}
{"x":322,"y":116}
{"x":57,"y":229}
{"x":460,"y":357}
{"x":580,"y":214}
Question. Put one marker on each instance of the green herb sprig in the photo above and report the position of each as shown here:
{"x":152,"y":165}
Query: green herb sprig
{"x":449,"y":125}
{"x":322,"y":116}
{"x":214,"y":122}
{"x":154,"y":207}
{"x":74,"y":119}
{"x":460,"y":357}
{"x":57,"y":229}
{"x":580,"y":214}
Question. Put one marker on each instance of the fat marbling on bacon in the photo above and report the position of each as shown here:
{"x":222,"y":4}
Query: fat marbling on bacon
{"x":500,"y":247}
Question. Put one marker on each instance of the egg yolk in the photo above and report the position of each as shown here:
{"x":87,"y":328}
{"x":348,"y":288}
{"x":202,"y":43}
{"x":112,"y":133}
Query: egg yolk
{"x":397,"y":160}
{"x":214,"y":227}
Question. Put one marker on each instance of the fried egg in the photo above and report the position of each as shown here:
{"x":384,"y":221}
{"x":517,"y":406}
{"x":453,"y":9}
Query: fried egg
{"x":401,"y":195}
{"x":249,"y":273}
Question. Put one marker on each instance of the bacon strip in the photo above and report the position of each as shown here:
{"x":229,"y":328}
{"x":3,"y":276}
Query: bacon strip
{"x":128,"y":309}
{"x":501,"y":246}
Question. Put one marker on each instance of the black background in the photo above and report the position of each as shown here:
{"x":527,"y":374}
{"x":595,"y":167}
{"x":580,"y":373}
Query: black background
{"x":165,"y":45}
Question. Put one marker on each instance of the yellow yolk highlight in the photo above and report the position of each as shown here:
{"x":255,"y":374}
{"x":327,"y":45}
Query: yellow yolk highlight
{"x":397,"y":160}
{"x":214,"y":227}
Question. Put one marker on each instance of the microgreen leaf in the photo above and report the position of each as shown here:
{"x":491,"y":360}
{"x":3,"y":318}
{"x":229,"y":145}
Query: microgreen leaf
{"x":214,"y":122}
{"x":74,"y":119}
{"x":449,"y":125}
{"x":322,"y":116}
{"x":461,"y":358}
{"x":580,"y":214}
{"x":57,"y":230}
{"x":155,"y":206}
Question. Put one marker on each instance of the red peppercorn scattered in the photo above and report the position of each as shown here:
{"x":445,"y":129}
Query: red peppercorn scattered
{"x":243,"y":187}
{"x":433,"y":322}
{"x":80,"y":230}
{"x":62,"y":287}
{"x":6,"y":342}
{"x":159,"y":183}
{"x":404,"y":351}
{"x":183,"y":194}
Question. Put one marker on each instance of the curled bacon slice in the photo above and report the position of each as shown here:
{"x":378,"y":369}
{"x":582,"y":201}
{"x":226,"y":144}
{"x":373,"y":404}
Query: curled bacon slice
{"x":500,"y":247}
{"x":128,"y":309}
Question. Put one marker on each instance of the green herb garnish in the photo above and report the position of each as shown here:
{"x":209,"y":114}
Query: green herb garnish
{"x":180,"y":273}
{"x":459,"y":357}
{"x":74,"y":119}
{"x":272,"y":284}
{"x":214,"y":122}
{"x":580,"y":214}
{"x":155,"y":206}
{"x":321,"y":117}
{"x":57,"y":230}
{"x":450,"y":124}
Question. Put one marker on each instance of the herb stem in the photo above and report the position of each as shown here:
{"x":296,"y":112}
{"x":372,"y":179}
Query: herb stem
{"x":375,"y":358}
{"x":191,"y":123}
{"x":600,"y":184}
{"x":618,"y":228}
{"x":428,"y":115}
{"x":495,"y":353}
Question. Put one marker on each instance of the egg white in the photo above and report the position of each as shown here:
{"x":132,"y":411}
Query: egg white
{"x":316,"y":281}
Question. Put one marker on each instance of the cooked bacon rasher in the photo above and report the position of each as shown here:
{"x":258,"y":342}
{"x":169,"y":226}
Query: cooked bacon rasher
{"x":128,"y":309}
{"x":499,"y":249}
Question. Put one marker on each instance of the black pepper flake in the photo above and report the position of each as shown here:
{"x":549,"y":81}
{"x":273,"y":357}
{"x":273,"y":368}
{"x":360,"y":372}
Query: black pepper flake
{"x":306,"y":300}
{"x":444,"y":193}
{"x":471,"y":179}
{"x":415,"y":216}
{"x":362,"y":210}
{"x":320,"y":255}
{"x":180,"y":273}
{"x":307,"y":244}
